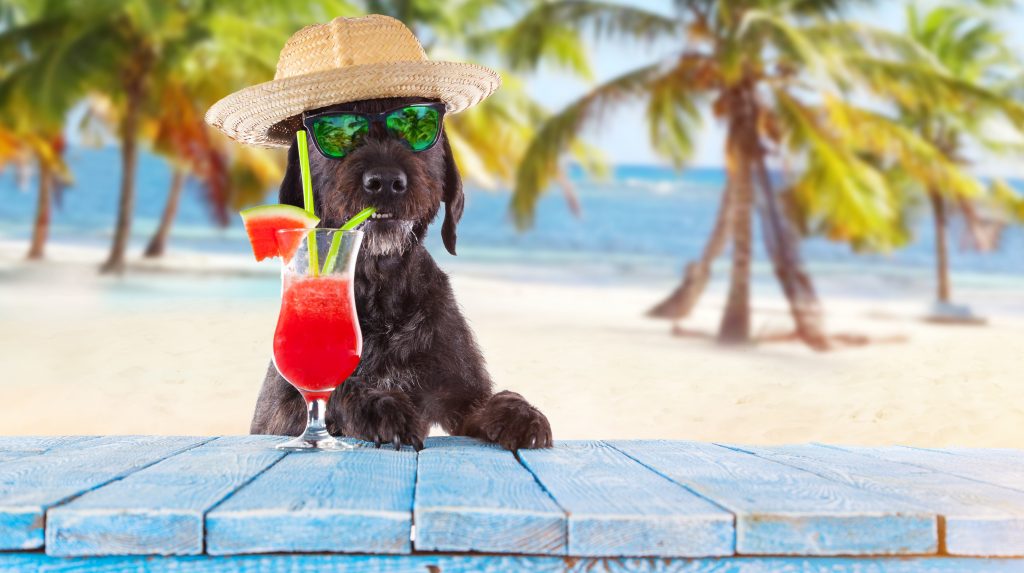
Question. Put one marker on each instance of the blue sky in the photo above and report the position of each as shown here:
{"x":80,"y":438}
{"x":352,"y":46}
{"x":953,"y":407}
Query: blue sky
{"x":623,"y":137}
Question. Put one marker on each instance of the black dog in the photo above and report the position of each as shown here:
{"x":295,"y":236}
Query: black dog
{"x":420,"y":363}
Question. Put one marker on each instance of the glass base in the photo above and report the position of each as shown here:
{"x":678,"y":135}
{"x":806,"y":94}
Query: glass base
{"x":315,"y":442}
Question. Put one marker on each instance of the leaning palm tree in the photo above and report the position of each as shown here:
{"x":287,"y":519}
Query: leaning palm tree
{"x":179,"y":134}
{"x":740,"y":58}
{"x":774,"y":74}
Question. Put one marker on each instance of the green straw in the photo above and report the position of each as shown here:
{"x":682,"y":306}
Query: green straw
{"x":307,"y":199}
{"x":352,"y":223}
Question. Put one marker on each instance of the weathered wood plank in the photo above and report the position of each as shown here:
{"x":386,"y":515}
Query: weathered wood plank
{"x":1009,"y":456}
{"x":357,"y":501}
{"x":990,"y":471}
{"x":472,"y":496}
{"x":617,"y":507}
{"x":781,"y":510}
{"x":159,"y":510}
{"x":31,"y":485}
{"x":980,"y":519}
{"x":15,"y":447}
{"x":426,"y":563}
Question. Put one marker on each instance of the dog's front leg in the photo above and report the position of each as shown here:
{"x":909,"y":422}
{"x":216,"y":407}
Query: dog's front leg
{"x":507,"y":419}
{"x":378,"y":416}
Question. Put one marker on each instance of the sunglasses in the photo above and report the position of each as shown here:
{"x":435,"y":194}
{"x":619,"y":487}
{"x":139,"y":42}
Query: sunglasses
{"x":338,"y":133}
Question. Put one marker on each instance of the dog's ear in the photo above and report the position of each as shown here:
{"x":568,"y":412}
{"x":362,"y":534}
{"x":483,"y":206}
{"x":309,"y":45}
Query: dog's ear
{"x":453,"y":198}
{"x":291,"y":185}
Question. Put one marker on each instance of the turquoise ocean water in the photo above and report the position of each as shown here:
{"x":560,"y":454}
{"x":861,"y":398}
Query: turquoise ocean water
{"x":644,"y":221}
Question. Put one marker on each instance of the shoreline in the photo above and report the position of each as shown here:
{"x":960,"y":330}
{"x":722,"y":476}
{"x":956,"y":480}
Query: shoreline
{"x":908,"y":282}
{"x":172,"y":352}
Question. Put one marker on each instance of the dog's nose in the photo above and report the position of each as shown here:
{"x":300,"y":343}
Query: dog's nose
{"x":387,"y":179}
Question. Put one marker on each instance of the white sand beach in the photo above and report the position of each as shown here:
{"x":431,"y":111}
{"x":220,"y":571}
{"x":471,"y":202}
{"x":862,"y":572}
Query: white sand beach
{"x":161,"y":352}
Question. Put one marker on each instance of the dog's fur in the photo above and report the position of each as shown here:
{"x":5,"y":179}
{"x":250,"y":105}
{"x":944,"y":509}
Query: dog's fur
{"x":420,"y":364}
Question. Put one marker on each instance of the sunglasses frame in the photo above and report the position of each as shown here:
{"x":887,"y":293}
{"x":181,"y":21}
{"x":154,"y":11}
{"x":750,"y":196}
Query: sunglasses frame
{"x":373,"y":118}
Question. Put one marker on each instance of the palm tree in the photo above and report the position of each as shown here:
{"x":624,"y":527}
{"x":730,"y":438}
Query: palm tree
{"x":125,"y":49}
{"x":235,"y":55}
{"x":30,"y":133}
{"x":775,"y":74}
{"x":112,"y":47}
{"x":179,"y":134}
{"x":157,"y":244}
{"x":969,"y":48}
{"x":948,"y":81}
{"x":52,"y":177}
{"x":735,"y":57}
{"x":22,"y":147}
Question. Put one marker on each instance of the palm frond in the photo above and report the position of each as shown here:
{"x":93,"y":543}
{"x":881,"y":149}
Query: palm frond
{"x":760,"y":29}
{"x":839,"y":192}
{"x":673,"y":116}
{"x":893,"y":143}
{"x":540,"y":161}
{"x":554,"y":32}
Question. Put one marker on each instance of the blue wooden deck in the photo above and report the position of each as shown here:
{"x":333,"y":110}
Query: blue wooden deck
{"x":128,"y":503}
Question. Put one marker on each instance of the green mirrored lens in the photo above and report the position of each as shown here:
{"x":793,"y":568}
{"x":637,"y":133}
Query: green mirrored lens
{"x":417,"y":125}
{"x":337,"y":135}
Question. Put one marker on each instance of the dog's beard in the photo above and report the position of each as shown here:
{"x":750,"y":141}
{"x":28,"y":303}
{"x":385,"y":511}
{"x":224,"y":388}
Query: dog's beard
{"x":385,"y":238}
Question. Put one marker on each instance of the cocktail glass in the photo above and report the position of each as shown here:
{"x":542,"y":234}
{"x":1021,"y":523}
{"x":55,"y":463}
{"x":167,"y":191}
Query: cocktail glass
{"x":317,"y":342}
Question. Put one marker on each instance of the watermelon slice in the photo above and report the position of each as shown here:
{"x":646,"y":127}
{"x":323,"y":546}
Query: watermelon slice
{"x":263,"y":222}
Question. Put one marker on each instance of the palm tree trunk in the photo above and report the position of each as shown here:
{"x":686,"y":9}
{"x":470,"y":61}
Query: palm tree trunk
{"x":44,"y":206}
{"x":941,"y":246}
{"x":735,"y":325}
{"x":695,"y":279}
{"x":158,"y":243}
{"x":783,"y":247}
{"x":741,"y":145}
{"x":134,"y":93}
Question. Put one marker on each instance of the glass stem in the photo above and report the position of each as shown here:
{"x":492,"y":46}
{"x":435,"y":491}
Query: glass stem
{"x":316,"y":419}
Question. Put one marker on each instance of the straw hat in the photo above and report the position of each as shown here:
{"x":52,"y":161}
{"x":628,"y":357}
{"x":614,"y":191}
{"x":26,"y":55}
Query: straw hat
{"x":347,"y":59}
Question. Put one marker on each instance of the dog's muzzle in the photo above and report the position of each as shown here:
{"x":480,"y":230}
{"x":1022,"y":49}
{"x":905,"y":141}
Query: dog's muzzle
{"x":390,"y":180}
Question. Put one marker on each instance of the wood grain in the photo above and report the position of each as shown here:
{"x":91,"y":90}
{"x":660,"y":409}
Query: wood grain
{"x":160,"y":509}
{"x":30,"y":485}
{"x":1002,"y":473}
{"x":156,"y":495}
{"x":781,"y":510}
{"x":425,"y":563}
{"x":472,"y":496}
{"x":617,"y":507}
{"x":980,"y":519}
{"x":1005,"y":456}
{"x":15,"y":447}
{"x":356,"y":501}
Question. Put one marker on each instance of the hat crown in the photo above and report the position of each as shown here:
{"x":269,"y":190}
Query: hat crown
{"x":346,"y":42}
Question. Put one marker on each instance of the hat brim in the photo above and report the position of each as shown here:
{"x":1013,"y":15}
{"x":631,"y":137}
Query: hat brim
{"x":258,"y":114}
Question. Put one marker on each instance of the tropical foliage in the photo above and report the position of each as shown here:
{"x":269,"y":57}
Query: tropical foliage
{"x":833,"y":127}
{"x":966,"y":45}
{"x":148,"y":69}
{"x":778,"y":76}
{"x":150,"y":63}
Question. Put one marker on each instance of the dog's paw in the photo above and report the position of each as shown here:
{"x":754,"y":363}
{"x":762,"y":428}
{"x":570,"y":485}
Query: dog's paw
{"x":385,"y":418}
{"x":508,"y":420}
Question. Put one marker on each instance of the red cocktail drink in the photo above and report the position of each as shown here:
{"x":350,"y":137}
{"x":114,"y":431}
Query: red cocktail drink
{"x":317,"y":342}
